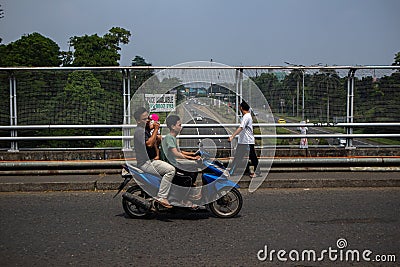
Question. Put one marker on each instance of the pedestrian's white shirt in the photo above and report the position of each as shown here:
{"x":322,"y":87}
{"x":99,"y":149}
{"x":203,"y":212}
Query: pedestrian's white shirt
{"x":246,"y":136}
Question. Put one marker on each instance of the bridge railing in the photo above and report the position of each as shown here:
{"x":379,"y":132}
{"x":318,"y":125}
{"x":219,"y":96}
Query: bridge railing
{"x":122,"y":127}
{"x":88,"y":107}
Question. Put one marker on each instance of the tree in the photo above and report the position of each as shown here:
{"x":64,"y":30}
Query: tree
{"x":32,"y":50}
{"x":140,"y":76}
{"x":330,"y":79}
{"x":1,"y":13}
{"x":83,"y":100}
{"x":95,"y":51}
{"x":296,"y":75}
{"x":396,"y":60}
{"x":1,"y":16}
{"x":388,"y":89}
{"x":271,"y":89}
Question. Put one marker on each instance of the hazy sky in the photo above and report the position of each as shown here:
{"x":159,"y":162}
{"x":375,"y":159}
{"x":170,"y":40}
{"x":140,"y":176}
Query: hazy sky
{"x":232,"y":32}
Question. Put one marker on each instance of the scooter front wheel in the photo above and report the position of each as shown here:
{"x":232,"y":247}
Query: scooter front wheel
{"x":133,"y":210}
{"x":228,"y":205}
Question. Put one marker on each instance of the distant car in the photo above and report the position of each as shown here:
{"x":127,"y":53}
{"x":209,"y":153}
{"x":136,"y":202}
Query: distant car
{"x":281,"y":120}
{"x":341,"y":142}
{"x":199,"y":118}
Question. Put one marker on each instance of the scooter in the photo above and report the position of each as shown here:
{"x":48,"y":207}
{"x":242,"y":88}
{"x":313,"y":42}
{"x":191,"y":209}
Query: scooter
{"x":218,"y":194}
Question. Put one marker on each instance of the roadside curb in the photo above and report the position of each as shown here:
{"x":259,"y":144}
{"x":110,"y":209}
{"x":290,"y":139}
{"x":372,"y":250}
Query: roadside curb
{"x":70,"y":167}
{"x":92,"y":175}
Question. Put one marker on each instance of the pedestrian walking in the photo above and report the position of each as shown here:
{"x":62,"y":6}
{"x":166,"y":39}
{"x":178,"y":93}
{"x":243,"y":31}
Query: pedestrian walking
{"x":246,"y":141}
{"x":303,"y":141}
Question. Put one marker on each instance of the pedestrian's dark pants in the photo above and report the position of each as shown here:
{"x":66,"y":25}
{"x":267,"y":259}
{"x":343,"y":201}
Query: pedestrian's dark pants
{"x":243,"y":153}
{"x":253,"y":158}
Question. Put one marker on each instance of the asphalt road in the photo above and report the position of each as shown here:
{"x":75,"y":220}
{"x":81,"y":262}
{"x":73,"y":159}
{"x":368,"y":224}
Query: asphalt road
{"x":189,"y":113}
{"x":90,"y":229}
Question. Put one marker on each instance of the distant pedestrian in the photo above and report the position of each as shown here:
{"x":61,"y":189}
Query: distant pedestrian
{"x":303,"y":141}
{"x":245,"y":148}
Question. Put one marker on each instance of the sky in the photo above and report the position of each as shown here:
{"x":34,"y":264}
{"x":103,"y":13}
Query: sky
{"x":232,"y":32}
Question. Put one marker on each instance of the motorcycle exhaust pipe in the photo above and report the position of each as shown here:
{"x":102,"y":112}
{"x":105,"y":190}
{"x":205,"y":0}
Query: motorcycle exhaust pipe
{"x":138,"y":201}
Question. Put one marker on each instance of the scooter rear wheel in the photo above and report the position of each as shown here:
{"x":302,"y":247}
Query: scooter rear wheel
{"x":131,"y":209}
{"x":228,"y":205}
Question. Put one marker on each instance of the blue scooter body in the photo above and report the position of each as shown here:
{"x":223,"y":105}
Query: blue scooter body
{"x":214,"y":173}
{"x":218,"y":193}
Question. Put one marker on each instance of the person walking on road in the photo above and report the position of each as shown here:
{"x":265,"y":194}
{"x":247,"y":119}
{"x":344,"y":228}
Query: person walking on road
{"x":303,"y":141}
{"x":246,"y":141}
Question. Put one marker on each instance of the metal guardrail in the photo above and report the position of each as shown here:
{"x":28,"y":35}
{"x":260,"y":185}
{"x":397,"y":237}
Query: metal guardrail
{"x":277,"y":136}
{"x":132,"y":126}
{"x":344,"y":164}
{"x":14,"y":128}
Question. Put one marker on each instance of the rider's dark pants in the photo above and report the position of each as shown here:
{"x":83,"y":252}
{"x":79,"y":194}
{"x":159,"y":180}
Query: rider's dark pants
{"x":188,"y":170}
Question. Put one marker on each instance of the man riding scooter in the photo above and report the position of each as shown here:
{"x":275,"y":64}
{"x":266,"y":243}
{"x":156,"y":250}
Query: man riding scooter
{"x":218,"y":194}
{"x":146,"y":145}
{"x":172,"y":152}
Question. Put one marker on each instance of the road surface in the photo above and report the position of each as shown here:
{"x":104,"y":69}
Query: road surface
{"x":91,"y":229}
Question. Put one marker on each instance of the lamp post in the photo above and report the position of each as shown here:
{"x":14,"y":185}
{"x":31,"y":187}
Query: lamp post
{"x":211,"y":85}
{"x":302,"y":102}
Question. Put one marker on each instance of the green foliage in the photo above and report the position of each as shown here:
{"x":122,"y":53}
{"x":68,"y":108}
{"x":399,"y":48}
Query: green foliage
{"x":4,"y":100}
{"x":111,"y":143}
{"x":140,"y":76}
{"x":32,"y":50}
{"x":396,"y":60}
{"x":117,"y":35}
{"x":322,"y":142}
{"x":95,"y":51}
{"x":1,"y":16}
{"x":385,"y":93}
{"x":83,"y":100}
{"x":36,"y":91}
{"x":271,"y":87}
{"x":140,"y":61}
{"x":64,"y":97}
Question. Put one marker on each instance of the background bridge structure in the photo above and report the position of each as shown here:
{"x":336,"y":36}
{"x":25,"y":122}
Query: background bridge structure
{"x":58,"y":113}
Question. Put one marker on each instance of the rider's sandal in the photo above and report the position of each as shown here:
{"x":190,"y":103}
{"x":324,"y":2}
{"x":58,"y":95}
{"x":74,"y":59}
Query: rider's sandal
{"x":163,"y":203}
{"x":253,"y":175}
{"x":190,"y":205}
